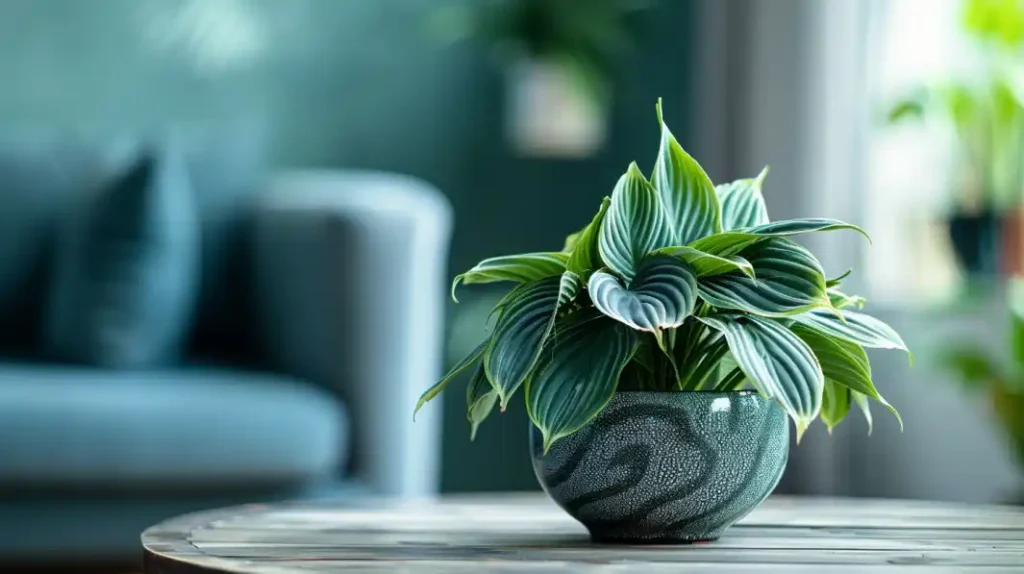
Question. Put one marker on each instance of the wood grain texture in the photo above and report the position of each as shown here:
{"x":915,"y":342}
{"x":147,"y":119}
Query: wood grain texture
{"x":527,"y":533}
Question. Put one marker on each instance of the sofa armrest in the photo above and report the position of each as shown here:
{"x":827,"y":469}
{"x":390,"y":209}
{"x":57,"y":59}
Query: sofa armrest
{"x":349,"y":273}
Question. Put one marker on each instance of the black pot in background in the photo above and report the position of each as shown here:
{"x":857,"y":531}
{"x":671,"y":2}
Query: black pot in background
{"x":977,"y":240}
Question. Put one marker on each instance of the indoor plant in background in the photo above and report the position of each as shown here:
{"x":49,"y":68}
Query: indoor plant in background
{"x":1002,"y":381}
{"x":557,"y":57}
{"x":660,"y":351}
{"x":986,"y":114}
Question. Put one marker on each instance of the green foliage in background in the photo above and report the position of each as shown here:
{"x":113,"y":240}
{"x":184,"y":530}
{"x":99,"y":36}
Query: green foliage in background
{"x":675,"y":285}
{"x":585,"y":37}
{"x":981,"y":370}
{"x":987,"y":113}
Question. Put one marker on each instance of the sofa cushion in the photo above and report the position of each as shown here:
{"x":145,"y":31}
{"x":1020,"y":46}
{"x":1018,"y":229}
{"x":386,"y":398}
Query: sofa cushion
{"x":39,"y":174}
{"x":127,"y":270}
{"x":195,"y":427}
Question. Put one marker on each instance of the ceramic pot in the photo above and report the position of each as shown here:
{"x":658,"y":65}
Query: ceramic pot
{"x":658,"y":467}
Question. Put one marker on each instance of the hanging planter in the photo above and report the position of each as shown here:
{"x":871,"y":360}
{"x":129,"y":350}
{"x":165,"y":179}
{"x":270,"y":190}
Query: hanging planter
{"x":556,"y":56}
{"x":550,"y":112}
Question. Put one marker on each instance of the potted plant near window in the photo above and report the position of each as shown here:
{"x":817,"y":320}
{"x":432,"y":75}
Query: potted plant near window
{"x":987,"y":116}
{"x":661,"y":350}
{"x":557,"y":55}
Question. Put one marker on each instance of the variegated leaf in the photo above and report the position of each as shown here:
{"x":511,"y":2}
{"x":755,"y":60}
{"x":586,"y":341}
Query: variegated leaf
{"x":687,"y":195}
{"x":742,"y":202}
{"x":661,"y":296}
{"x":633,"y":226}
{"x":462,"y":365}
{"x":789,"y":280}
{"x":481,"y":396}
{"x":585,"y":257}
{"x":706,"y":264}
{"x":577,"y":375}
{"x":778,"y":363}
{"x":855,"y":327}
{"x":521,"y":268}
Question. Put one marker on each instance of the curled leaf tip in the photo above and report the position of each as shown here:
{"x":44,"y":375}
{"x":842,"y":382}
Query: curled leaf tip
{"x":657,"y":108}
{"x":455,"y":283}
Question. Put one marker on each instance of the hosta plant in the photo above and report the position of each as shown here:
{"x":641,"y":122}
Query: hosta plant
{"x":675,"y":285}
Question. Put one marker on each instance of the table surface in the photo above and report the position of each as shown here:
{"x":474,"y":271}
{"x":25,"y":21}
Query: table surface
{"x":527,"y":533}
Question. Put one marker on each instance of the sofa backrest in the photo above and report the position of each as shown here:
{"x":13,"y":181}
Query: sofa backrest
{"x":42,"y":175}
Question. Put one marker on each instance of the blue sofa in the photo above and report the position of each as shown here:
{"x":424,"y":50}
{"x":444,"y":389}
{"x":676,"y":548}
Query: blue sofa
{"x":318,"y":325}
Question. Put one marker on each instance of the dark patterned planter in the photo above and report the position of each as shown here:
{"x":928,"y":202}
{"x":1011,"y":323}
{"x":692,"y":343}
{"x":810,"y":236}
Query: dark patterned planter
{"x":667,"y":467}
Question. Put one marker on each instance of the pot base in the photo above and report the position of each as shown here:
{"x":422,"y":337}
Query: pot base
{"x":661,"y":541}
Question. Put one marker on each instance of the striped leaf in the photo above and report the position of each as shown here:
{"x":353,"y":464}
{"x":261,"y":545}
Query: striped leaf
{"x":519,"y":334}
{"x":789,"y":281}
{"x":777,"y":362}
{"x":854,"y":327}
{"x":481,"y":396}
{"x":742,"y":202}
{"x":462,"y":365}
{"x":585,"y":257}
{"x":577,"y":375}
{"x":725,"y":244}
{"x":661,"y":296}
{"x":835,"y":404}
{"x":788,"y":227}
{"x":865,"y":408}
{"x":706,"y":264}
{"x":844,"y":363}
{"x":633,"y":226}
{"x":521,"y":268}
{"x":687,"y":195}
{"x":569,"y":285}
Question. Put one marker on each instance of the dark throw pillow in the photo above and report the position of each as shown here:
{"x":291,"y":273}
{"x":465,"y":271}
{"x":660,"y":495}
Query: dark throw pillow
{"x":127,"y":270}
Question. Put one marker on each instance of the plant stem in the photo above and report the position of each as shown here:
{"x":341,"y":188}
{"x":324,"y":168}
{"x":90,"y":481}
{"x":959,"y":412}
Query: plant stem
{"x":731,"y":382}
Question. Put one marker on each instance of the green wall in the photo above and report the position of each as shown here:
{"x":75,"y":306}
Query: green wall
{"x":345,"y":83}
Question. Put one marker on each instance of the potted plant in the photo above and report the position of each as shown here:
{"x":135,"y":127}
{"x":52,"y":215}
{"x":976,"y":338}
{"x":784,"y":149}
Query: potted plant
{"x":661,"y":350}
{"x":558,"y":56}
{"x":987,"y":117}
{"x":1002,"y":381}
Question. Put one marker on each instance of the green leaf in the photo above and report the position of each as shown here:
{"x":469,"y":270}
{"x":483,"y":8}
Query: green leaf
{"x":742,"y":202}
{"x":777,"y":362}
{"x":841,"y":300}
{"x":577,"y":375}
{"x":862,"y":404}
{"x":570,"y":241}
{"x":661,"y":296}
{"x":706,"y":264}
{"x":789,"y":227}
{"x":831,"y":283}
{"x":522,"y":268}
{"x":725,"y":244}
{"x":789,"y":281}
{"x":569,"y":285}
{"x":462,"y":365}
{"x":519,"y":334}
{"x":585,"y":257}
{"x":835,"y":404}
{"x":687,"y":195}
{"x":974,"y":367}
{"x":633,"y":226}
{"x":855,"y":327}
{"x":481,"y":396}
{"x":844,"y":363}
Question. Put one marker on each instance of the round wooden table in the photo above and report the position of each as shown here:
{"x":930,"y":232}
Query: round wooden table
{"x":527,"y":533}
